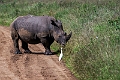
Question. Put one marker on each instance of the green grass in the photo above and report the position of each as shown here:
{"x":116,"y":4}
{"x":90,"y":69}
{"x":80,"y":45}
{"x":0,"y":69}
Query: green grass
{"x":93,"y":52}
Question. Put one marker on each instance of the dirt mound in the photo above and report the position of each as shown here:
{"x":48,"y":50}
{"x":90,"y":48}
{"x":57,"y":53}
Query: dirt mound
{"x":36,"y":66}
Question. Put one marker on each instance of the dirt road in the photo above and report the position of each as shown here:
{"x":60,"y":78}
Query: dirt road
{"x":36,"y":66}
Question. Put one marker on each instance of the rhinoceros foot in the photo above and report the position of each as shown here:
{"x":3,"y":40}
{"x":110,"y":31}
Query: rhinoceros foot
{"x":48,"y":52}
{"x":27,"y":51}
{"x":18,"y":52}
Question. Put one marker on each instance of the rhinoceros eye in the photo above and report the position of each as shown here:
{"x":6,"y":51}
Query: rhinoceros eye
{"x":59,"y":36}
{"x":65,"y":33}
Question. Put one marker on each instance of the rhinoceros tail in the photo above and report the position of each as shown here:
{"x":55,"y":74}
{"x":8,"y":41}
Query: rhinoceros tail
{"x":14,"y":33}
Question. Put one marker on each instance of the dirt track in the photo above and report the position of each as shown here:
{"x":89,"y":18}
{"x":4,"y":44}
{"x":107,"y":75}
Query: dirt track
{"x":36,"y":66}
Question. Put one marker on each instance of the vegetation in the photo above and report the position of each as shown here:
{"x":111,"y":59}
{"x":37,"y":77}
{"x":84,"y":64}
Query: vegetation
{"x":93,"y":53}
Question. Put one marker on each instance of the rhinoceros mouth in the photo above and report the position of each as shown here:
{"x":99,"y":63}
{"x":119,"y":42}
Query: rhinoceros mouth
{"x":62,"y":44}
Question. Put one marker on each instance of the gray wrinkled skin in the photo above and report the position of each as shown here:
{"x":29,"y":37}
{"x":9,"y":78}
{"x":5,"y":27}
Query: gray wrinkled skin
{"x":37,"y":29}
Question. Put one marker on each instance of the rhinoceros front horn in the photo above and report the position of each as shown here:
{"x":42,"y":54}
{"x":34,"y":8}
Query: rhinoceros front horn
{"x":68,"y":36}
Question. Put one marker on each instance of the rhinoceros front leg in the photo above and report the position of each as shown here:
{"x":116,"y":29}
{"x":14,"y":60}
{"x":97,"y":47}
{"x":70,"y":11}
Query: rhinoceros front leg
{"x":46,"y":44}
{"x":47,"y":49}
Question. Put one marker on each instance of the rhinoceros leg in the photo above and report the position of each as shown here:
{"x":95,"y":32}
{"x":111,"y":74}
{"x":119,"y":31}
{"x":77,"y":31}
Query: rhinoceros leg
{"x":46,"y":43}
{"x":15,"y":39}
{"x":47,"y":49}
{"x":25,"y":47}
{"x":16,"y":46}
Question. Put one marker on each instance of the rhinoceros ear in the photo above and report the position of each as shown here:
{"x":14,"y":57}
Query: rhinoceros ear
{"x":56,"y":23}
{"x":68,"y":36}
{"x":53,"y":22}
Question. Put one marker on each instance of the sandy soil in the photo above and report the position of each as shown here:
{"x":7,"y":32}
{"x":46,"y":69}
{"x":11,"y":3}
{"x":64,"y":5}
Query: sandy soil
{"x":35,"y":66}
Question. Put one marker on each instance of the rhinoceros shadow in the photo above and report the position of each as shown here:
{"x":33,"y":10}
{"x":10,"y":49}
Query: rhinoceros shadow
{"x":41,"y":53}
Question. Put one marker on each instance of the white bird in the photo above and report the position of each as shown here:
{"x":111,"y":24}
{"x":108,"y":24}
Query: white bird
{"x":61,"y":55}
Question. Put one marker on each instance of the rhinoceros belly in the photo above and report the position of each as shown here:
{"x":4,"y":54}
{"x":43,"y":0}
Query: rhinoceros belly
{"x":30,"y":40}
{"x":28,"y":37}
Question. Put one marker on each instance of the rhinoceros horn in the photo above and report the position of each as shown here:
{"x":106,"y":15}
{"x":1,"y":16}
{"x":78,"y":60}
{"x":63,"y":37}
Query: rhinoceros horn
{"x":68,"y":36}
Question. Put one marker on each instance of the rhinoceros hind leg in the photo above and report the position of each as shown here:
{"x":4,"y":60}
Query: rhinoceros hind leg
{"x":27,"y":51}
{"x":15,"y":39}
{"x":25,"y":47}
{"x":18,"y":52}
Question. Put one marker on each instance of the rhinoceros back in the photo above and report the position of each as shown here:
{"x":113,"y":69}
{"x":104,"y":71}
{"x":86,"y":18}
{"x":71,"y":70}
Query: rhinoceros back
{"x":32,"y":23}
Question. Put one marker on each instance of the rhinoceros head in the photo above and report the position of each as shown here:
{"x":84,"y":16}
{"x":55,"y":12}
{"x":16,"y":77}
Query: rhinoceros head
{"x":59,"y":35}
